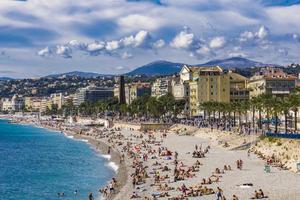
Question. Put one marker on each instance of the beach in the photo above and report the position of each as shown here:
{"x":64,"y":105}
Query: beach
{"x":148,"y":168}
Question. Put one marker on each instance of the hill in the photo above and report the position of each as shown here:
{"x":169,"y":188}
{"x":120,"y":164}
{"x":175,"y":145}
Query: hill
{"x":160,"y":67}
{"x":76,"y":73}
{"x":234,"y":62}
{"x":167,"y":68}
{"x":5,"y":78}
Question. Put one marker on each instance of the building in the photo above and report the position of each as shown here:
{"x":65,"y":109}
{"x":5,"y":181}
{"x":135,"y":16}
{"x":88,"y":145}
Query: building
{"x":57,"y":99}
{"x":238,"y":87}
{"x":136,"y":90}
{"x":161,"y":86}
{"x":46,"y":104}
{"x":122,"y":98}
{"x":133,"y":91}
{"x":6,"y":104}
{"x":210,"y":84}
{"x":271,"y":81}
{"x":16,"y":103}
{"x":92,"y":94}
{"x":38,"y":104}
{"x":207,"y":84}
{"x":180,"y":88}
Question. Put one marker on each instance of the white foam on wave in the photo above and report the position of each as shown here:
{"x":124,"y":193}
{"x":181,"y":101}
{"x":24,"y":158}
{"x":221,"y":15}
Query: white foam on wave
{"x":113,"y":165}
{"x":84,"y":140}
{"x":108,"y":157}
{"x":70,"y":136}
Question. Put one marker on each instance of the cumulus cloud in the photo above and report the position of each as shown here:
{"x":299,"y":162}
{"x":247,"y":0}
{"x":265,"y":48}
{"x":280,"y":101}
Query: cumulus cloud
{"x":64,"y":51}
{"x":261,"y":34}
{"x":141,"y":39}
{"x":112,"y":45}
{"x":95,"y":46}
{"x":77,"y":44}
{"x":45,"y":52}
{"x":184,"y":40}
{"x":159,"y":44}
{"x":217,"y":42}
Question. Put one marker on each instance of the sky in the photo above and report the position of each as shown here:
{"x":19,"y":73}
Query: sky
{"x":41,"y":37}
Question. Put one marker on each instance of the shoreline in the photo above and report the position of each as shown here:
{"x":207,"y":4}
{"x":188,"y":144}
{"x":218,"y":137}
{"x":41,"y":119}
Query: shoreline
{"x":254,"y":172}
{"x":99,"y":145}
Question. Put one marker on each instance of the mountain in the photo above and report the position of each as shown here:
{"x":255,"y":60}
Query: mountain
{"x":76,"y":73}
{"x":5,"y":79}
{"x":166,"y":68}
{"x":160,"y":67}
{"x":235,"y":62}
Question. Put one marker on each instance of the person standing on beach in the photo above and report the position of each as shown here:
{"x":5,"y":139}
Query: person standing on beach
{"x":108,"y":151}
{"x":91,"y":197}
{"x":219,"y":193}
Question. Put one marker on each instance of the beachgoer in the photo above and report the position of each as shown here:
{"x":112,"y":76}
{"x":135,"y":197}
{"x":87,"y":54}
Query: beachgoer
{"x":91,"y":197}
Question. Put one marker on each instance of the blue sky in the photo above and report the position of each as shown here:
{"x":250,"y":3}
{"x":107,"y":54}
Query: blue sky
{"x":39,"y":37}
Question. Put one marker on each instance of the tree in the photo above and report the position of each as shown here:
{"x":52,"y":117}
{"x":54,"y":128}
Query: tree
{"x":294,"y":100}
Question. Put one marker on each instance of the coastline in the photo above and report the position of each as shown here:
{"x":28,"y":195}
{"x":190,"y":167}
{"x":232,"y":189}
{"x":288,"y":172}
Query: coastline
{"x":99,"y":145}
{"x":189,"y":137}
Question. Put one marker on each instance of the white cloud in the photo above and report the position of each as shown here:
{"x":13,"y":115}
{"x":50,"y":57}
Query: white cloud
{"x":134,"y":22}
{"x":183,"y":40}
{"x":77,"y":44}
{"x":217,"y":42}
{"x":262,"y":33}
{"x":187,"y":40}
{"x":112,"y":45}
{"x":64,"y":51}
{"x":45,"y":52}
{"x":141,"y":37}
{"x":95,"y":46}
{"x":247,"y":35}
{"x":159,"y":44}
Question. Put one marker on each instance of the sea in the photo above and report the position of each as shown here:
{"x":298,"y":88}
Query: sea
{"x":37,"y":164}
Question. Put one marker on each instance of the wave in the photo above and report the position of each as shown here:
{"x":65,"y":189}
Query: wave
{"x":70,"y":136}
{"x":108,"y":157}
{"x":84,"y":140}
{"x":114,"y":166}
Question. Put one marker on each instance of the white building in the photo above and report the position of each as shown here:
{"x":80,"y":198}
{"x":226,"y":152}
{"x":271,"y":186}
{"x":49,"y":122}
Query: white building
{"x":16,"y":103}
{"x":161,"y":86}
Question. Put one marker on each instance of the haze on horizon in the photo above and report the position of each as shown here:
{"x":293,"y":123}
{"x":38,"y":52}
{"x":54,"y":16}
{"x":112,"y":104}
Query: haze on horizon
{"x":41,"y":37}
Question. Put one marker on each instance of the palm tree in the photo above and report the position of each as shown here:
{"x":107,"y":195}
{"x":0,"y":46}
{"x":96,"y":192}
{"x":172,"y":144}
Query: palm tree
{"x":207,"y":107}
{"x":277,"y":107}
{"x":286,"y":106}
{"x":267,"y":101}
{"x":294,"y":100}
{"x":253,"y":106}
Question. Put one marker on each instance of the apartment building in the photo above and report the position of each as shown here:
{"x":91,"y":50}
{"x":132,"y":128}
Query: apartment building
{"x":161,"y":86}
{"x":133,"y":91}
{"x":273,"y":81}
{"x":92,"y":94}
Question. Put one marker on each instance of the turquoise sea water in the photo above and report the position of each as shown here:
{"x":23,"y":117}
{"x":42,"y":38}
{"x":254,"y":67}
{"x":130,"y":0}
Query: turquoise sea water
{"x":36,"y":164}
